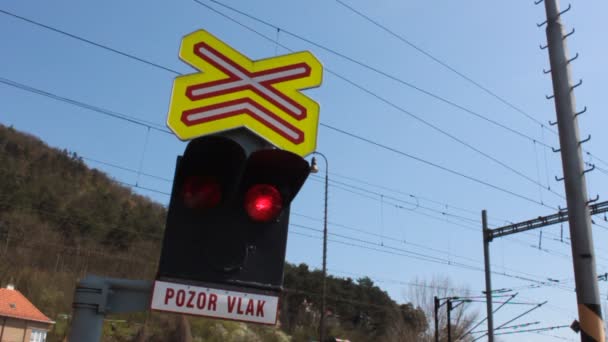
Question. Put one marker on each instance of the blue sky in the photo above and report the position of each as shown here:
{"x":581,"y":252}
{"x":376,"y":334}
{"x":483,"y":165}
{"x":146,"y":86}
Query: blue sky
{"x":407,"y":204}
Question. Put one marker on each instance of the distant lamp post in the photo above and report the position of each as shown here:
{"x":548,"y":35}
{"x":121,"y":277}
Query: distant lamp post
{"x":314,"y":168}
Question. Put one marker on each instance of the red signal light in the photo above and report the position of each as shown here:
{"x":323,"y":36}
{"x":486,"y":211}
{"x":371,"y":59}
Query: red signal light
{"x":263,"y":202}
{"x":201,"y":192}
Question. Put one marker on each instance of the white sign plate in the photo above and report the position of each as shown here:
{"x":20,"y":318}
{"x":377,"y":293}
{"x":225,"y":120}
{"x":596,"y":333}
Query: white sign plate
{"x":217,"y":303}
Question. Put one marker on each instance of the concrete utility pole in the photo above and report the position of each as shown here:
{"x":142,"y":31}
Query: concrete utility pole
{"x":587,"y":293}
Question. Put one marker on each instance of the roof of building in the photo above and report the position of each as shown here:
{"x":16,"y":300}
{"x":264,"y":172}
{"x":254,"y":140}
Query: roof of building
{"x":14,"y":304}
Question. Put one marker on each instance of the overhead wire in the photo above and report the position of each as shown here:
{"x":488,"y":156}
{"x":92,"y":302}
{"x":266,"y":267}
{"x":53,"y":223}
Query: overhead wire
{"x":596,"y":158}
{"x":170,"y":181}
{"x":105,"y":47}
{"x":415,"y":255}
{"x":168,"y":194}
{"x":15,"y":84}
{"x":394,"y":105}
{"x":435,"y":165}
{"x":80,"y":104}
{"x":401,"y":282}
{"x":549,"y":251}
{"x":137,"y":121}
{"x":424,"y":247}
{"x":309,"y":217}
{"x":418,"y":197}
{"x":156,"y":65}
{"x":364,"y":65}
{"x":440,"y":62}
{"x":89,"y":252}
{"x":385,"y":236}
{"x":413,"y":210}
{"x":382,"y":248}
{"x":90,"y":108}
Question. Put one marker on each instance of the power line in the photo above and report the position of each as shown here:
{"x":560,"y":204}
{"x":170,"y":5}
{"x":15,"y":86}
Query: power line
{"x":97,"y":109}
{"x":415,"y":205}
{"x":444,"y":213}
{"x":403,"y":250}
{"x":396,"y":251}
{"x":146,"y":61}
{"x":142,"y":123}
{"x":532,"y":330}
{"x":417,"y":197}
{"x":434,"y":127}
{"x":596,"y":157}
{"x":395,"y":106}
{"x":442,"y":218}
{"x":88,"y":252}
{"x":105,"y":47}
{"x":338,"y":224}
{"x":443,"y":64}
{"x":400,"y":252}
{"x":341,"y":225}
{"x":368,"y":67}
{"x":536,"y":141}
{"x":399,"y":282}
{"x":457,"y":173}
{"x":376,"y":95}
{"x":126,"y":169}
{"x":345,"y":79}
{"x":168,"y":194}
{"x":309,"y":217}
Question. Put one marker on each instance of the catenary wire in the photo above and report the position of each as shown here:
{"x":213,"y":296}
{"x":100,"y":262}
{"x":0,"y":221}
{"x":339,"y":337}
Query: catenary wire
{"x":366,"y":66}
{"x":355,"y":84}
{"x":410,"y":156}
{"x":427,"y":215}
{"x":105,"y":47}
{"x":440,"y":62}
{"x":352,"y":135}
{"x":401,"y":109}
{"x":309,"y":217}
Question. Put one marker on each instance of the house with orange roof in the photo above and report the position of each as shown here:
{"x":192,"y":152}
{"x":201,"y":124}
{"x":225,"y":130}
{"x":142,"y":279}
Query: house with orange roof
{"x":20,"y":320}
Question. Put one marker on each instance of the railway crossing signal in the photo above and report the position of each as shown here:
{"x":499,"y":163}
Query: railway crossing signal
{"x":227,"y":222}
{"x":224,"y":245}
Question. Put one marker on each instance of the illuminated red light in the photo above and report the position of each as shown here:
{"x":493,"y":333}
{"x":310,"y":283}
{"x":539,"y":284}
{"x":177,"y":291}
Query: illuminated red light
{"x":201,"y":192}
{"x":263,"y":202}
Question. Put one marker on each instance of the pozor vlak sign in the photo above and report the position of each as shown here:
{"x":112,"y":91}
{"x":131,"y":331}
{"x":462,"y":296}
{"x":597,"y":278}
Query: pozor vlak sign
{"x":215,"y":303}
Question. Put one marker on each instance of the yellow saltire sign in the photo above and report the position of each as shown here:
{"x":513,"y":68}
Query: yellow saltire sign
{"x":232,"y":91}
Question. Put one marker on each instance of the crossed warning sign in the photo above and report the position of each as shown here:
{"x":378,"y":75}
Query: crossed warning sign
{"x":233,"y":91}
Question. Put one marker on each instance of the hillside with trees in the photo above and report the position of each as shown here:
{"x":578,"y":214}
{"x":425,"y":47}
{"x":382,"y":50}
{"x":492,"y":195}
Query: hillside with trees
{"x":61,"y":220}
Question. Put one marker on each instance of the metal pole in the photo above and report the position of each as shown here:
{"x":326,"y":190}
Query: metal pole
{"x":436,"y":319}
{"x":449,"y":320}
{"x":95,"y":297}
{"x":583,"y":257}
{"x":87,"y":318}
{"x":486,"y":260}
{"x":324,"y":289}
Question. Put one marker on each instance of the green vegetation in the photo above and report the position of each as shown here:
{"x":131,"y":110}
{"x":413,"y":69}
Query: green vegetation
{"x":61,"y":220}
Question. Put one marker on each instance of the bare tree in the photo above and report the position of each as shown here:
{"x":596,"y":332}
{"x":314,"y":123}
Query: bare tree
{"x":422,"y":293}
